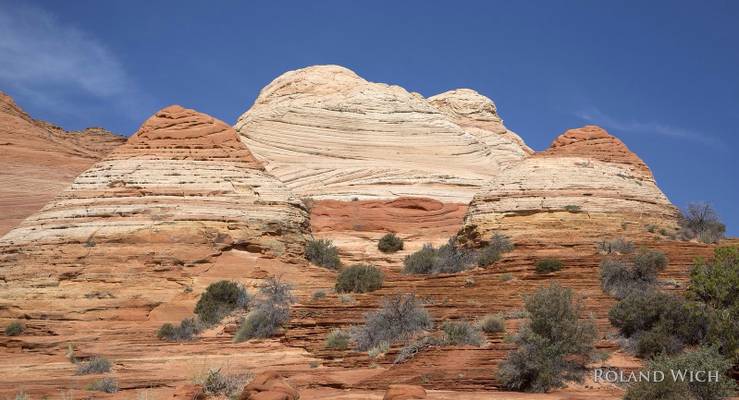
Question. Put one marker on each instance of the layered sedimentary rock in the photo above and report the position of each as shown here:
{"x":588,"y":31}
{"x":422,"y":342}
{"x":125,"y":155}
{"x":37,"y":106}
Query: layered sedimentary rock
{"x":329,"y":134}
{"x":587,"y":184}
{"x":39,"y":160}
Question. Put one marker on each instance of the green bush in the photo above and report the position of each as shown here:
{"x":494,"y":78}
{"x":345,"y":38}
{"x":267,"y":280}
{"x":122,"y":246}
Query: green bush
{"x":554,"y":346}
{"x":106,"y":385}
{"x":399,"y":318}
{"x":621,"y":276}
{"x":95,"y":365}
{"x":648,"y":263}
{"x":271,"y":311}
{"x":492,"y":252}
{"x":448,"y":258}
{"x":461,"y":333}
{"x":185,"y":331}
{"x":572,"y":208}
{"x":639,"y":311}
{"x":548,"y":265}
{"x":338,"y":339}
{"x":359,"y":278}
{"x":703,"y":359}
{"x":319,"y":295}
{"x":14,"y":328}
{"x":700,"y":221}
{"x":220,"y":299}
{"x":390,"y":243}
{"x":322,"y":252}
{"x":492,"y":323}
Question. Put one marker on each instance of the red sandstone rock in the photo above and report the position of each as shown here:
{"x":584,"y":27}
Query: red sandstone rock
{"x":269,"y":386}
{"x":189,"y":392}
{"x":404,"y":392}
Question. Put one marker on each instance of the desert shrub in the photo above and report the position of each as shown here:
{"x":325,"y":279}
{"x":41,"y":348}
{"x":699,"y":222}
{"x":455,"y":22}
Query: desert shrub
{"x":338,"y":339}
{"x":185,"y":331}
{"x":506,"y":277}
{"x":501,"y":243}
{"x":673,"y":387}
{"x":399,"y":318}
{"x":14,"y":328}
{"x":216,"y":383}
{"x":617,"y":278}
{"x":461,"y":333}
{"x":639,"y":311}
{"x":220,"y":299}
{"x":271,"y":311}
{"x":322,"y":252}
{"x":380,"y":348}
{"x":547,"y":265}
{"x":492,"y":252}
{"x":572,"y":208}
{"x":657,"y":341}
{"x":553,"y":346}
{"x":346,"y":298}
{"x":318,"y":295}
{"x":700,"y":221}
{"x":448,"y":258}
{"x":621,"y":276}
{"x":716,"y":284}
{"x":107,"y":385}
{"x":359,"y":278}
{"x":410,"y":350}
{"x":95,"y":365}
{"x":648,"y":263}
{"x":492,"y":323}
{"x":390,"y":243}
{"x":618,"y":245}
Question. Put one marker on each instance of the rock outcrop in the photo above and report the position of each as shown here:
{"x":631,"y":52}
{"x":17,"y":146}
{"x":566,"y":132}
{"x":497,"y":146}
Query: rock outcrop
{"x":329,"y":134}
{"x":39,"y":160}
{"x":588,"y":184}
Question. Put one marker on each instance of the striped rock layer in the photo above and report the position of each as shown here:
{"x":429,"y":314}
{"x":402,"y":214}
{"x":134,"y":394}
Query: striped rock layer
{"x":329,"y":134}
{"x":588,"y":184}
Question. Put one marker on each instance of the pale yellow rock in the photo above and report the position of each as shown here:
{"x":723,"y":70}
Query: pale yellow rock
{"x":329,"y":134}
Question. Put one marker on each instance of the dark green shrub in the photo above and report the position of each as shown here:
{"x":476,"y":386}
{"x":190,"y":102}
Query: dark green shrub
{"x":185,"y":331}
{"x":492,"y":252}
{"x":548,"y":265}
{"x":700,"y":221}
{"x":390,"y":243}
{"x":461,"y":333}
{"x":271,"y":311}
{"x":620,"y":276}
{"x":656,"y":341}
{"x":95,"y":365}
{"x":703,"y":359}
{"x":106,"y":385}
{"x":220,"y":299}
{"x":399,"y":318}
{"x":14,"y":328}
{"x":572,"y":208}
{"x":448,"y":258}
{"x":319,"y":295}
{"x":359,"y":278}
{"x":552,"y":347}
{"x":492,"y":323}
{"x":322,"y":252}
{"x":639,"y":311}
{"x":338,"y":339}
{"x":648,"y":263}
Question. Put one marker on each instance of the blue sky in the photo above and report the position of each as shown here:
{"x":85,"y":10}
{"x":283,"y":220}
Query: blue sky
{"x":661,"y":75}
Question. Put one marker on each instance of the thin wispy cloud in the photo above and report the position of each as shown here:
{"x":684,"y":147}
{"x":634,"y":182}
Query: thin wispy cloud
{"x":595,"y":116}
{"x":54,"y":64}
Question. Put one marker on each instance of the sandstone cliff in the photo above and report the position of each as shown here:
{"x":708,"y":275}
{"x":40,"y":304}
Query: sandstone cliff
{"x":329,"y":134}
{"x":587,"y":185}
{"x":39,"y":160}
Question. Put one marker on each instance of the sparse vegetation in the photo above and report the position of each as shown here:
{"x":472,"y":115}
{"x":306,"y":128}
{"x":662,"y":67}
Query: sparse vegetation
{"x":492,"y":323}
{"x":107,"y":385}
{"x":621,"y":276}
{"x":338,"y":339}
{"x":322,"y":252}
{"x":572,"y":208}
{"x":14,"y":328}
{"x":390,"y":243}
{"x":359,"y":278}
{"x":673,"y":387}
{"x":399,"y":318}
{"x":95,"y":365}
{"x":346,"y":298}
{"x":220,"y":299}
{"x":461,"y":333}
{"x":319,"y":295}
{"x":548,"y":265}
{"x":410,"y":350}
{"x":553,"y":346}
{"x":700,"y":221}
{"x":216,"y":383}
{"x":271,"y":311}
{"x":615,"y":246}
{"x":185,"y":331}
{"x":453,"y":258}
{"x":506,"y":277}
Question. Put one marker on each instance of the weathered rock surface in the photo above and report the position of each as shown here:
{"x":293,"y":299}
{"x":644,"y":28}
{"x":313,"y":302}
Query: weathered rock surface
{"x":329,"y":134}
{"x":39,"y":160}
{"x":269,"y":386}
{"x":404,"y":392}
{"x":588,"y":184}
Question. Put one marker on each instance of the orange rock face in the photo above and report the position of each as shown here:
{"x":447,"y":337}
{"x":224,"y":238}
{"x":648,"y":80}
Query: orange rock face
{"x":39,"y":160}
